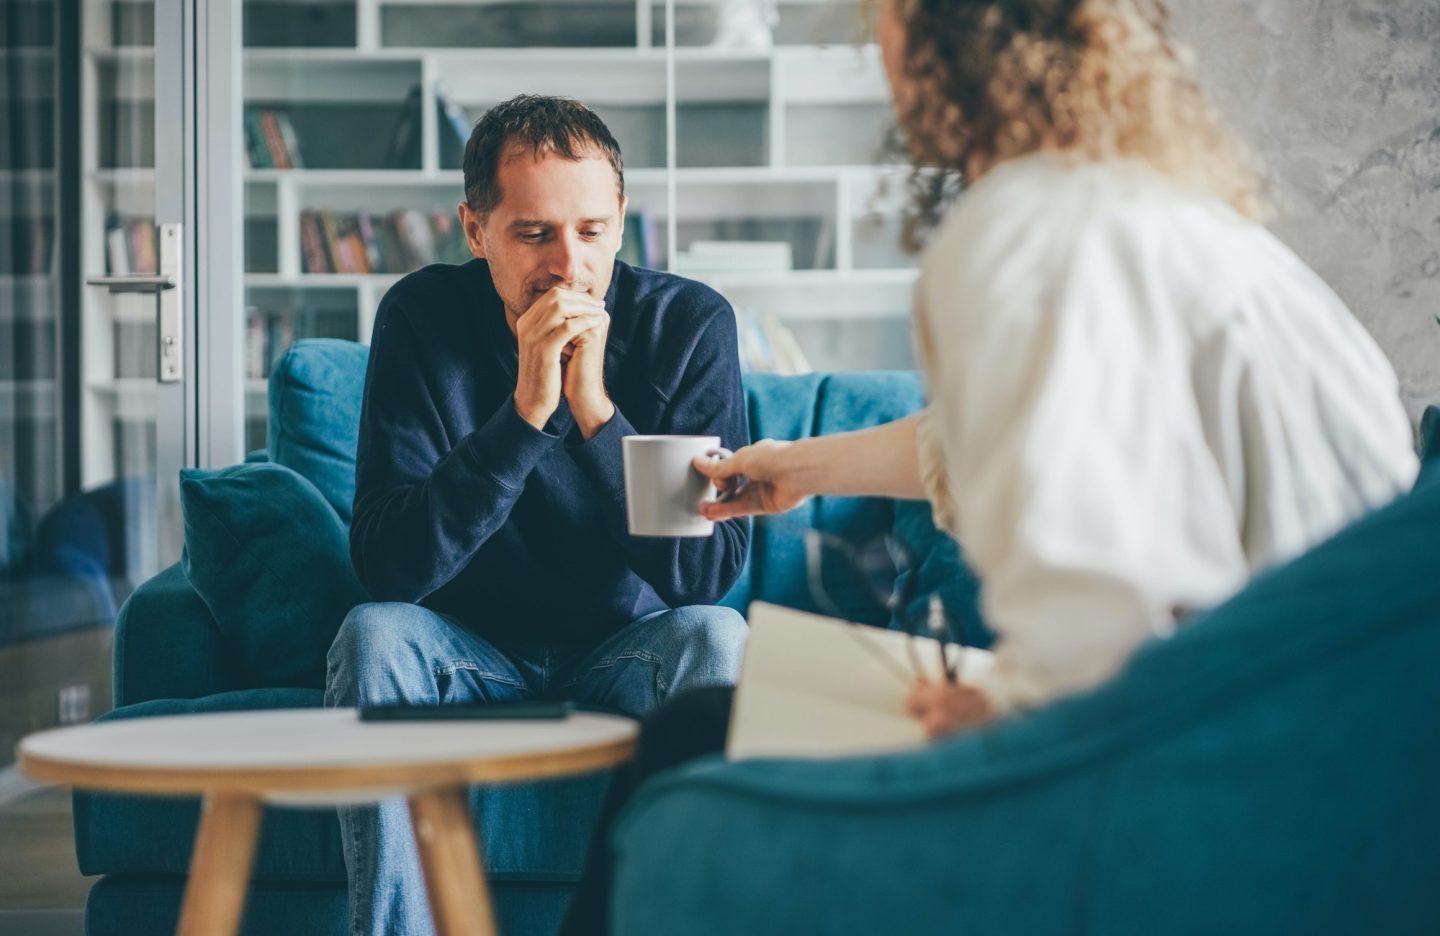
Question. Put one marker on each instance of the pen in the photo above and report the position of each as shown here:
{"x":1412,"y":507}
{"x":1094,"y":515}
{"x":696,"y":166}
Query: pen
{"x":940,"y":631}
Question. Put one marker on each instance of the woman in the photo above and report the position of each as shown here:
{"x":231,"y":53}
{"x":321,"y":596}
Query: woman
{"x":1138,"y":397}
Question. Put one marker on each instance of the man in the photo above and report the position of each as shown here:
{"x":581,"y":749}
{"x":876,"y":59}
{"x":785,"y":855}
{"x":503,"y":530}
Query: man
{"x":489,"y":519}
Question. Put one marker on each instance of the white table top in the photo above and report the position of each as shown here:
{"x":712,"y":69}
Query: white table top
{"x":274,"y":751}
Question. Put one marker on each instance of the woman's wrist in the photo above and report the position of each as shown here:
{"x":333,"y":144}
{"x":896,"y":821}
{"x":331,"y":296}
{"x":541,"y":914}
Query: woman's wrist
{"x":803,"y":467}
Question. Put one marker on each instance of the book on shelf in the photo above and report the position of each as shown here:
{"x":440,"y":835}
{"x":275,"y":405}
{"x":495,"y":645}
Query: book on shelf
{"x":270,"y":139}
{"x":405,"y":139}
{"x":269,"y":332}
{"x":768,"y":345}
{"x":130,"y":245}
{"x":735,"y":257}
{"x":365,"y":242}
{"x":453,"y":126}
{"x":267,"y":335}
{"x":640,"y":246}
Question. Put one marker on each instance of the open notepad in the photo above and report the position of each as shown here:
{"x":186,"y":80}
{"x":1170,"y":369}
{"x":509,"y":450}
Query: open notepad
{"x":813,"y":686}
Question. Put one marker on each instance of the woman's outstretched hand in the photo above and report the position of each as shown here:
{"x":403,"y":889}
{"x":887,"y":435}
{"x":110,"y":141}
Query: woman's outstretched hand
{"x":945,"y":708}
{"x":754,"y":480}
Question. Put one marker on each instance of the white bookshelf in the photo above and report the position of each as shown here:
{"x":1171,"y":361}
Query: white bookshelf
{"x":769,"y":143}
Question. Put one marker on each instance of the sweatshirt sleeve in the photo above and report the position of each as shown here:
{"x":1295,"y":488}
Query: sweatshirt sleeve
{"x":709,"y":400}
{"x":424,"y":506}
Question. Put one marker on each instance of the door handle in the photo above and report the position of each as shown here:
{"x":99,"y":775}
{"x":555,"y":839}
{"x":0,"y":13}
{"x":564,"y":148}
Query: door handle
{"x":133,"y":283}
{"x":165,"y":286}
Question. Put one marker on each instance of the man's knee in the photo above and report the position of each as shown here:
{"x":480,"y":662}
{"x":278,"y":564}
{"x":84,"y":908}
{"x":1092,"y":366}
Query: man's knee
{"x":713,"y":637}
{"x":376,"y":639}
{"x":370,"y":630}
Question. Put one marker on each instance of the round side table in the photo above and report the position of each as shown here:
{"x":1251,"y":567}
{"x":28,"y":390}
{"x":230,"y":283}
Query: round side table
{"x":239,"y":760}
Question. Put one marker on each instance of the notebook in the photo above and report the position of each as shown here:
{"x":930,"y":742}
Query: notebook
{"x":813,"y":686}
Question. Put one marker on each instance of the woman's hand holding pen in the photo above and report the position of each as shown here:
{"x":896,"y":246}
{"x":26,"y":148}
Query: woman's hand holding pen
{"x":945,"y":708}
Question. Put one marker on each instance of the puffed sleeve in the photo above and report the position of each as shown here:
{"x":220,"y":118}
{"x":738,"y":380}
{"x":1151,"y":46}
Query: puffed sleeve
{"x":1072,"y":456}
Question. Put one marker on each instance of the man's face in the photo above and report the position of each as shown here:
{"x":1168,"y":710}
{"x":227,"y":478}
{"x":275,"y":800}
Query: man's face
{"x":558,"y":223}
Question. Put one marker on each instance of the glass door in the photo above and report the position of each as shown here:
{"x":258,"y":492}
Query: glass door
{"x":96,"y":356}
{"x":135,"y":426}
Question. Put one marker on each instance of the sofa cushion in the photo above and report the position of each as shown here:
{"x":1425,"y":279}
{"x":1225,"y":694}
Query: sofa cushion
{"x":316,"y":389}
{"x":167,"y":645}
{"x":533,"y":833}
{"x":271,"y":561}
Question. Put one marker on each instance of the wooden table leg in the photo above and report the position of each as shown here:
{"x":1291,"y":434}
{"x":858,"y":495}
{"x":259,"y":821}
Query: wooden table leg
{"x":450,"y":857}
{"x":220,"y":866}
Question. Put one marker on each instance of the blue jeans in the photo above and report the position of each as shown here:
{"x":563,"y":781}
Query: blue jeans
{"x":394,"y":652}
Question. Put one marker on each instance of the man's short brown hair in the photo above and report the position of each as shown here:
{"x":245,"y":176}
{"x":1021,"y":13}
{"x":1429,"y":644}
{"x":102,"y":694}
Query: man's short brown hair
{"x":541,"y":124}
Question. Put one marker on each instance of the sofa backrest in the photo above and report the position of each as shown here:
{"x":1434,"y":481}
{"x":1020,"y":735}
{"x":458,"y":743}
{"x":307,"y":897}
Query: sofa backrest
{"x":315,"y":394}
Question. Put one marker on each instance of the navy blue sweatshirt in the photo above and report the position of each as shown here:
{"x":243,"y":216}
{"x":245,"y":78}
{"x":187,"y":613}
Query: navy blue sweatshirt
{"x":464,"y":507}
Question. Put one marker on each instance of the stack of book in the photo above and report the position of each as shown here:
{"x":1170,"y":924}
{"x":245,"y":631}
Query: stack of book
{"x":269,"y":332}
{"x":768,"y":345}
{"x":452,"y":124}
{"x":362,"y":242}
{"x":640,"y":246}
{"x":267,"y":335}
{"x":129,"y":245}
{"x":270,"y":140}
{"x":715,"y":258}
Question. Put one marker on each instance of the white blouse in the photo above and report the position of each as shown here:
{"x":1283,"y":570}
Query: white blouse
{"x":1137,"y":400}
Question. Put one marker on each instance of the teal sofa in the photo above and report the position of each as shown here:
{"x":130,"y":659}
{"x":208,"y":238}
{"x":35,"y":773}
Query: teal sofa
{"x":1272,"y":768}
{"x":173,"y":656}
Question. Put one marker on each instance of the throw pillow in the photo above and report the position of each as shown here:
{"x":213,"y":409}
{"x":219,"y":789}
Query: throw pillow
{"x":271,"y":560}
{"x":316,"y":390}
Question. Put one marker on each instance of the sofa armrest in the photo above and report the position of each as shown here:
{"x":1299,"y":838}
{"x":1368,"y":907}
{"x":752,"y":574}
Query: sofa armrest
{"x":167,"y":645}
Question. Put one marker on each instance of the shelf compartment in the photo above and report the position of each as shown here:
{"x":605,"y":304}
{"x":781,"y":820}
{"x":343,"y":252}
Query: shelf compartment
{"x":329,"y":78}
{"x":722,"y":113}
{"x":802,"y":213}
{"x":519,"y":23}
{"x":801,"y":22}
{"x":272,"y":23}
{"x":593,"y":75}
{"x":877,"y":206}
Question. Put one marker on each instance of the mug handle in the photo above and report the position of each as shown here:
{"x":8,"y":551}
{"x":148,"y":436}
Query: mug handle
{"x":740,"y":481}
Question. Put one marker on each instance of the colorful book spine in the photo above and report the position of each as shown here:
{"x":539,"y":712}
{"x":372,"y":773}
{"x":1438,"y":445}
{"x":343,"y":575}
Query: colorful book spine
{"x":255,"y":145}
{"x":312,"y":244}
{"x":290,"y":139}
{"x":274,"y":141}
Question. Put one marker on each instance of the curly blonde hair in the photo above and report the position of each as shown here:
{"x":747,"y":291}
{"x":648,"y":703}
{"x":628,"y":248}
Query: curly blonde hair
{"x":1087,"y":80}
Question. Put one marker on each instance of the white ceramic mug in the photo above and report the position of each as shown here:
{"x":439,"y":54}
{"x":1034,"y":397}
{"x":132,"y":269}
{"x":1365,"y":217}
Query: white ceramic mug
{"x":663,"y":491}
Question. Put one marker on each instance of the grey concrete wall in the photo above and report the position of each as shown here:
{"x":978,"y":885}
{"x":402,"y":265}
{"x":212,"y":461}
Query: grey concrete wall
{"x":1341,"y":101}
